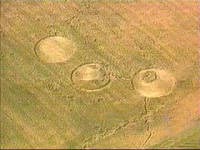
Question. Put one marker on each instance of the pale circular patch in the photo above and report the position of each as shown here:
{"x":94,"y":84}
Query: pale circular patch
{"x":154,"y":83}
{"x":90,"y":77}
{"x":55,"y":49}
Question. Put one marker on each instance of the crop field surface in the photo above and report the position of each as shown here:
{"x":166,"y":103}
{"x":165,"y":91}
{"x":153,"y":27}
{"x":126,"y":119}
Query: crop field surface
{"x":100,"y":74}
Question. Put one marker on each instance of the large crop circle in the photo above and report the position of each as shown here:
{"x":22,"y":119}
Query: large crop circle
{"x":154,"y":83}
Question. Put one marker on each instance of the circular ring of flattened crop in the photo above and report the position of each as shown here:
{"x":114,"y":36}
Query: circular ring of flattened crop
{"x":90,"y":77}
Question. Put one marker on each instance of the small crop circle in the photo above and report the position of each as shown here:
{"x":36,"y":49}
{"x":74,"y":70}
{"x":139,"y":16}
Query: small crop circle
{"x":55,"y":49}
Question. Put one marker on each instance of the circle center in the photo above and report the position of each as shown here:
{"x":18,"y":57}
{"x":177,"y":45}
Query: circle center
{"x":149,"y":76}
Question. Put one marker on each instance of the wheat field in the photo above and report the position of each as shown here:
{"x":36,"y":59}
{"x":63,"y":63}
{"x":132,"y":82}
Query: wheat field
{"x":72,"y":74}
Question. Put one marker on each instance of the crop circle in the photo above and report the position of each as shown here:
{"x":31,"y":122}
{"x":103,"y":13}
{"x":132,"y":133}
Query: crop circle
{"x":154,"y":83}
{"x":55,"y":49}
{"x":90,"y":77}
